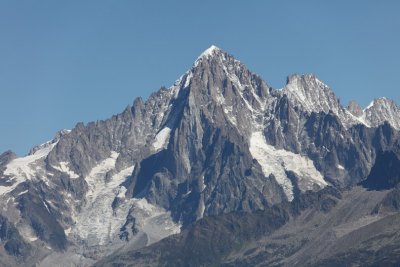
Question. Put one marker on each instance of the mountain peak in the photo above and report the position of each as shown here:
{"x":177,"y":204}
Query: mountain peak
{"x":383,"y":109}
{"x":379,"y":102}
{"x":355,"y":109}
{"x":212,"y":50}
{"x":307,"y":78}
{"x":311,"y":93}
{"x":211,"y":53}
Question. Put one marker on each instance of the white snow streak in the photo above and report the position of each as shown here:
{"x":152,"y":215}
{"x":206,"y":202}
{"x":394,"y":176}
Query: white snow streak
{"x":370,"y":105}
{"x":188,"y":79}
{"x":276,"y":161}
{"x":47,"y":207}
{"x":23,"y":192}
{"x":340,"y":167}
{"x":63,"y":167}
{"x":202,"y":184}
{"x":202,"y":208}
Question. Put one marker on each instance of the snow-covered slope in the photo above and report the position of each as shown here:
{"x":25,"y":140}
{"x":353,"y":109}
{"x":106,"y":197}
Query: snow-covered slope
{"x":27,"y":168}
{"x":278,"y":161}
{"x":312,"y":95}
{"x":381,"y":110}
{"x":161,"y":140}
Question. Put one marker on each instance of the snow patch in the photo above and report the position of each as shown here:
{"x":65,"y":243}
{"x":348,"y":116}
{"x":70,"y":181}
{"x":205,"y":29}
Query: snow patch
{"x":25,"y":168}
{"x":98,"y":223}
{"x":220,"y":99}
{"x":208,"y":52}
{"x":188,"y":79}
{"x":122,"y":191}
{"x":370,"y":105}
{"x":96,"y":177}
{"x":67,"y":231}
{"x":162,"y":138}
{"x":277,"y":161}
{"x":64,"y":167}
{"x":340,"y":167}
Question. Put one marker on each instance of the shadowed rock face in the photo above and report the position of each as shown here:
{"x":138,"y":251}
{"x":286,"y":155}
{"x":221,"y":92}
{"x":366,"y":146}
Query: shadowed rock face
{"x":14,"y":249}
{"x":218,"y":141}
{"x":385,"y":174}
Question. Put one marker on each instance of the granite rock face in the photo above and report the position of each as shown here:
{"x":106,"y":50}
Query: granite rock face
{"x":219,"y":140}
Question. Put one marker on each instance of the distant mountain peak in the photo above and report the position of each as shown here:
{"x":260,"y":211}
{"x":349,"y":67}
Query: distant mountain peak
{"x":311,"y":93}
{"x":57,"y":137}
{"x":355,"y":109}
{"x":379,"y":102}
{"x":307,"y":77}
{"x":383,"y":109}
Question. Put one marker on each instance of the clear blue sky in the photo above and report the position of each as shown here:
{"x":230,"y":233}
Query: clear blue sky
{"x":62,"y":62}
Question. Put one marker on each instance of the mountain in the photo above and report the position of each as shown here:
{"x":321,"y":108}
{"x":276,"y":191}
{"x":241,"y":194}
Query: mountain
{"x":219,"y":154}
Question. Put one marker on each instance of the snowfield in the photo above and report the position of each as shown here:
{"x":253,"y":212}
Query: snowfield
{"x":277,"y":161}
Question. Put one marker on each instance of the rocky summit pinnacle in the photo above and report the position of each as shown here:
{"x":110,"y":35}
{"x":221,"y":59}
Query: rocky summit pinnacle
{"x":216,"y":144}
{"x":355,"y":109}
{"x":212,"y":50}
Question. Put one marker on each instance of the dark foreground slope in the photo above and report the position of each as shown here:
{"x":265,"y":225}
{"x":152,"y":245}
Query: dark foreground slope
{"x":327,"y":228}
